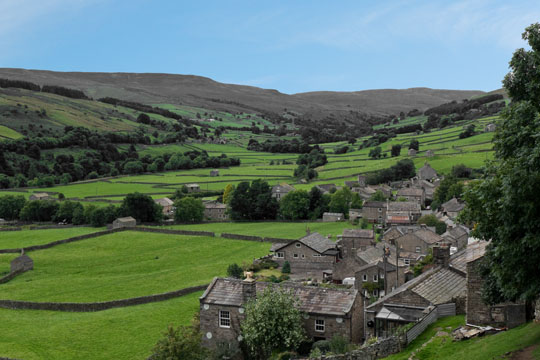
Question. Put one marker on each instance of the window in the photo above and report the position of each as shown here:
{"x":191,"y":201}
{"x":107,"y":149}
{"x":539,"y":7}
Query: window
{"x":364,"y":277}
{"x":280,"y":255}
{"x":380,"y":209}
{"x":303,"y":256}
{"x":316,"y":255}
{"x":375,"y":278}
{"x":297,"y":245}
{"x":417,"y":249}
{"x":382,"y":276}
{"x":375,"y":292}
{"x":319,"y":325}
{"x":224,"y":319}
{"x":407,"y":262}
{"x":295,"y":256}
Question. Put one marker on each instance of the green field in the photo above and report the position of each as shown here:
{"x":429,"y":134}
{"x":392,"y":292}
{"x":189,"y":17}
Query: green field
{"x":123,"y":333}
{"x":24,"y":238}
{"x":480,"y":348}
{"x":127,"y":264}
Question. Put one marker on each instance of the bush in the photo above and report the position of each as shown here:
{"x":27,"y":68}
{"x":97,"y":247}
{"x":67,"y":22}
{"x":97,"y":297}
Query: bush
{"x":286,"y":268}
{"x":339,"y":344}
{"x":322,"y":345}
{"x":315,"y":353}
{"x":235,"y":271}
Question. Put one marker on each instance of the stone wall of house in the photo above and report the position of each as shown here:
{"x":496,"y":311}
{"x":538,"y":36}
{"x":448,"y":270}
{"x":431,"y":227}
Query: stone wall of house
{"x":305,"y":260}
{"x":372,"y":214}
{"x":97,"y":306}
{"x":379,"y":350}
{"x":349,"y":245}
{"x":333,"y":325}
{"x":409,"y":242}
{"x":537,"y":310}
{"x":209,"y":325}
{"x":346,"y":267}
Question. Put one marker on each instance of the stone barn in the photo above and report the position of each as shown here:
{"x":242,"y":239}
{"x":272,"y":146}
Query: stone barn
{"x":412,"y":152}
{"x":124,"y":222}
{"x":214,"y":173}
{"x":332,"y":217}
{"x":22,"y":263}
{"x":39,"y":196}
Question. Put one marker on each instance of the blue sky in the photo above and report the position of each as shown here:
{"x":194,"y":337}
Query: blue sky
{"x":291,"y":46}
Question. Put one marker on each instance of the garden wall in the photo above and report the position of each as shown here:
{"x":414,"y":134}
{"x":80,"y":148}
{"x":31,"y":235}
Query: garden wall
{"x":380,"y":349}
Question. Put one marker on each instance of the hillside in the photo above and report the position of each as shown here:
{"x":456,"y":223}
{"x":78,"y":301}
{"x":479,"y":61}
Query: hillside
{"x":206,"y":93}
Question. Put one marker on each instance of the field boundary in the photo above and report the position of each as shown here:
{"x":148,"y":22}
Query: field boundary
{"x":98,"y":306}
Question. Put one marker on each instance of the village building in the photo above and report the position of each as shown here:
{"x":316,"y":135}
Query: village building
{"x":40,"y":196}
{"x":215,"y":211}
{"x":443,"y":286}
{"x":310,"y":255}
{"x":415,"y":194}
{"x":124,"y":222}
{"x":490,"y":127}
{"x":385,"y":189}
{"x":193,"y":188}
{"x":355,"y":239}
{"x":378,"y":278}
{"x":355,"y":214}
{"x":430,"y":153}
{"x":416,"y":244}
{"x":351,"y":184}
{"x":411,"y":152}
{"x":426,"y":172}
{"x":279,"y":191}
{"x":326,"y":188}
{"x":457,"y":236}
{"x":396,"y":231}
{"x":506,"y":315}
{"x":332,"y":217}
{"x":402,"y":212}
{"x":361,"y":180}
{"x":364,"y":192}
{"x":374,"y":211}
{"x":452,"y":208}
{"x":429,"y":188}
{"x":167,"y":205}
{"x":214,"y":173}
{"x":21,"y":263}
{"x":327,"y":312}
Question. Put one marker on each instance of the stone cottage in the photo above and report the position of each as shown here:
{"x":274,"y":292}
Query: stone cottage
{"x":355,"y":239}
{"x":414,"y":194}
{"x":279,"y":191}
{"x":39,"y":196}
{"x":193,"y":188}
{"x":215,"y":211}
{"x":416,"y":244}
{"x":365,"y":192}
{"x":411,"y":152}
{"x":326,"y":312}
{"x":430,"y":153}
{"x":402,"y":212}
{"x":395,"y":231}
{"x":426,"y":172}
{"x":452,"y":208}
{"x":374,"y":211}
{"x":490,"y":127}
{"x":457,"y":236}
{"x":167,"y":205}
{"x":125,"y":222}
{"x":355,"y":214}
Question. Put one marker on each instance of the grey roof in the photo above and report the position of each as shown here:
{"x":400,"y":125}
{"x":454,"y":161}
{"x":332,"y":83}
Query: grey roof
{"x":215,"y":205}
{"x":410,"y":192}
{"x":375,"y":253}
{"x":332,"y":214}
{"x":400,"y":313}
{"x":404,"y":206}
{"x":456,"y":232}
{"x":282,"y":188}
{"x":442,"y":286}
{"x":380,"y":264}
{"x":326,"y":187}
{"x":276,"y":246}
{"x":375,"y":204}
{"x":428,"y":236}
{"x":404,"y":229}
{"x":361,"y":233}
{"x":318,"y":242}
{"x":314,"y":300}
{"x":472,"y":252}
{"x":164,"y":201}
{"x":453,"y":205}
{"x":126,"y":219}
{"x":22,"y":259}
{"x":426,"y":172}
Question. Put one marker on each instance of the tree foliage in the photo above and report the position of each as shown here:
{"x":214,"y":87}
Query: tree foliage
{"x":253,"y":201}
{"x":142,"y":207}
{"x":295,"y":205}
{"x":184,"y":342}
{"x":189,"y":209}
{"x":272,"y":323}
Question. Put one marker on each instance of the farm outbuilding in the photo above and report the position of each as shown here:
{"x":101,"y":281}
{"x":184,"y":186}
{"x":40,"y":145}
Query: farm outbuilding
{"x":124,"y":222}
{"x":214,"y":173}
{"x":39,"y":196}
{"x":332,"y":217}
{"x":412,"y":152}
{"x":22,"y":263}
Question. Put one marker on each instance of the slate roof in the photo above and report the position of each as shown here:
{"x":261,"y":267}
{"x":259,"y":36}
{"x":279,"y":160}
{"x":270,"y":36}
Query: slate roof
{"x":404,"y":206}
{"x":164,"y":201}
{"x":318,"y":242}
{"x":282,"y":188}
{"x":472,"y":252}
{"x":456,"y":232}
{"x":375,"y":253}
{"x":426,"y":172}
{"x":380,"y":264}
{"x":404,"y":229}
{"x":312,"y":300}
{"x":441,"y":287}
{"x":375,"y":204}
{"x":359,"y":233}
{"x":125,"y":219}
{"x":326,"y":187}
{"x":276,"y":246}
{"x":410,"y":192}
{"x":215,"y":205}
{"x":428,"y":236}
{"x":453,"y":205}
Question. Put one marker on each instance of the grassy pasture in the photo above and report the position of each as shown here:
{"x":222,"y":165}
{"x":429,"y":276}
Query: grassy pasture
{"x":123,"y":333}
{"x":9,"y":133}
{"x":24,"y":238}
{"x":127,"y":264}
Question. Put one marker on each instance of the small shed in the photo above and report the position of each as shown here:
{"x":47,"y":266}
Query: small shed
{"x":412,"y":152}
{"x":490,"y":127}
{"x":192,"y":188}
{"x":124,"y":222}
{"x":333,"y":217}
{"x":22,"y":263}
{"x":39,"y":196}
{"x":167,"y":205}
{"x":430,"y":153}
{"x":214,"y":173}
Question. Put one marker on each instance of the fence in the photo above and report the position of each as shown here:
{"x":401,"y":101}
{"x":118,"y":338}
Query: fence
{"x":437,"y":312}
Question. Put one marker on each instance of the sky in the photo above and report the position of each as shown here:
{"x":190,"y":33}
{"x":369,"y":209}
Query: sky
{"x":291,"y":46}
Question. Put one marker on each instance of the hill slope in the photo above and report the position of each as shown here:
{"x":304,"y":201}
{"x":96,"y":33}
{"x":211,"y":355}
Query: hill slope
{"x":207,"y":93}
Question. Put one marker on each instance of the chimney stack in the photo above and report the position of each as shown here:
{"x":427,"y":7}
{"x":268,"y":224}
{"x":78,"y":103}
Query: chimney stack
{"x":249,"y":287}
{"x":441,"y":255}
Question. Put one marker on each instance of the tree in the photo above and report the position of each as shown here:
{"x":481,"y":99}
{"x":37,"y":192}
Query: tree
{"x":142,"y":207}
{"x":503,"y":205}
{"x":318,"y":203}
{"x":39,"y":210}
{"x":294,"y":205}
{"x":10,"y":206}
{"x":396,"y":150}
{"x":375,"y":153}
{"x":286,"y":268}
{"x":66,"y":210}
{"x":189,"y":209}
{"x":341,"y":200}
{"x":432,"y":221}
{"x":235,"y":271}
{"x":356,"y":201}
{"x":378,"y":196}
{"x":450,"y":187}
{"x":227,"y":193}
{"x":184,"y":342}
{"x":414,"y":144}
{"x":273,"y":322}
{"x":253,"y":201}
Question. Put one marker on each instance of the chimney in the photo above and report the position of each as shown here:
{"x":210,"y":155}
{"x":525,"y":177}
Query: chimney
{"x":249,"y":287}
{"x":441,"y":255}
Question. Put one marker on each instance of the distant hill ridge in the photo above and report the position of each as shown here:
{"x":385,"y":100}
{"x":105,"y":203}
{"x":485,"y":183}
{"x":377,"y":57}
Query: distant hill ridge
{"x":198,"y":91}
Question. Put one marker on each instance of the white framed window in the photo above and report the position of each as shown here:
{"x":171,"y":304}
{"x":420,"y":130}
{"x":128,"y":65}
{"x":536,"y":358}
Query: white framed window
{"x":319,"y":325}
{"x":382,"y":276}
{"x":280,"y":255}
{"x":224,"y":319}
{"x":295,"y":256}
{"x":297,"y":245}
{"x":417,"y":249}
{"x":375,"y":277}
{"x":303,"y":256}
{"x":364,"y":277}
{"x":407,"y":261}
{"x":316,"y":255}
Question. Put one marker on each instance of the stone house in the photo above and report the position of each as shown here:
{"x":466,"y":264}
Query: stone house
{"x":326,"y":312}
{"x":193,"y":188}
{"x":379,"y":273}
{"x":411,"y":152}
{"x":39,"y":196}
{"x":429,"y":188}
{"x":457,"y":236}
{"x":490,"y":127}
{"x":351,"y":184}
{"x":414,"y":194}
{"x":385,"y":189}
{"x":124,"y":222}
{"x":374,"y":211}
{"x":279,"y":191}
{"x":402,"y":212}
{"x":332,"y":217}
{"x":167,"y":204}
{"x":430,"y":153}
{"x":452,"y":207}
{"x":364,"y":192}
{"x":443,"y":284}
{"x":355,"y":239}
{"x":355,"y":214}
{"x":415,"y":244}
{"x":21,"y":263}
{"x":479,"y":313}
{"x":326,"y":188}
{"x":310,"y":255}
{"x":214,"y":173}
{"x":426,"y":172}
{"x":395,"y":231}
{"x":361,"y":180}
{"x":215,"y":211}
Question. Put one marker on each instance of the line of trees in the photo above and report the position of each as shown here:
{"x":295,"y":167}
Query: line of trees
{"x":53,"y":89}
